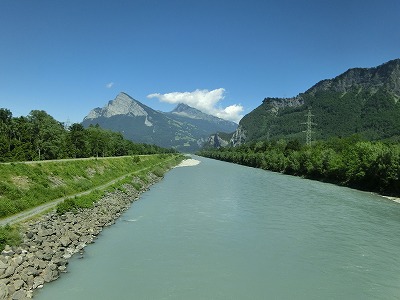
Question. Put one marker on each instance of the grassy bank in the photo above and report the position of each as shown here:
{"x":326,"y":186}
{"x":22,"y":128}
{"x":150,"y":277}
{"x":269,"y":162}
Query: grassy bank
{"x":23,"y":186}
{"x":137,"y":180}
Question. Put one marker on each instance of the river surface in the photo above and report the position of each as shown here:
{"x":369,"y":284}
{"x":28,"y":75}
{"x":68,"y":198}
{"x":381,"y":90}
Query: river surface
{"x":222,"y":231}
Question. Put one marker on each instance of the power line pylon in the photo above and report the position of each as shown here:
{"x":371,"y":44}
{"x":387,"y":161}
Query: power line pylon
{"x":309,"y":124}
{"x":67,"y":124}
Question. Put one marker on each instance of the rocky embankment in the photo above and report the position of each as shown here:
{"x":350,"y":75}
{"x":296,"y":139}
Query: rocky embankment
{"x":49,"y":242}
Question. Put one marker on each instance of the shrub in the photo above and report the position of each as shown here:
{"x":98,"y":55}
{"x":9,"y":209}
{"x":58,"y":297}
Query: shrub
{"x":9,"y":236}
{"x":159,"y":172}
{"x":67,"y":205}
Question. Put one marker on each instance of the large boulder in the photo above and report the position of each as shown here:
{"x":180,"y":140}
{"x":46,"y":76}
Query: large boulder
{"x":8,"y":251}
{"x":19,"y":295}
{"x":65,"y":241}
{"x":38,"y":282}
{"x":3,"y":290}
{"x":18,"y":284}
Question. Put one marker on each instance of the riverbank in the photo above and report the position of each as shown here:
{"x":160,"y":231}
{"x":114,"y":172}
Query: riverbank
{"x":394,"y":199}
{"x":362,"y":165}
{"x":188,"y":163}
{"x":24,"y":186}
{"x":50,"y":241}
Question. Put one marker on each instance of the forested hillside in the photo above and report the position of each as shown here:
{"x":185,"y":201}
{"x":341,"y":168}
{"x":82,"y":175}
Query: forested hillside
{"x":39,"y":136}
{"x":359,"y":101}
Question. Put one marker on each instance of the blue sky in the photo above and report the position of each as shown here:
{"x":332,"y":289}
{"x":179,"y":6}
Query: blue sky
{"x":68,"y":57}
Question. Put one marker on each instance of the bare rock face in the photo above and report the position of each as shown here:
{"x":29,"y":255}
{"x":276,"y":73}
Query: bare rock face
{"x":275,"y":104}
{"x":386,"y":75}
{"x":121,"y":105}
{"x":239,"y":137}
{"x":215,"y":141}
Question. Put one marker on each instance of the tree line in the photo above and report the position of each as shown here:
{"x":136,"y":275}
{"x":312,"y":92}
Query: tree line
{"x":39,"y":136}
{"x":353,"y":162}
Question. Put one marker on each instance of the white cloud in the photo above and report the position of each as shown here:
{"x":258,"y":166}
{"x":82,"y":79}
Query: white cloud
{"x":204,"y":100}
{"x":109,"y":85}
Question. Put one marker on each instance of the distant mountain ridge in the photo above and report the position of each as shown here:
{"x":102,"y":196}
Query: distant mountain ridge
{"x":123,"y":104}
{"x":193,"y":113}
{"x":188,"y":111}
{"x":185,"y":128}
{"x":361,"y":101}
{"x":384,"y":76}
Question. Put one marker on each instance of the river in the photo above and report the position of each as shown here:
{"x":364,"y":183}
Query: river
{"x":223,"y":231}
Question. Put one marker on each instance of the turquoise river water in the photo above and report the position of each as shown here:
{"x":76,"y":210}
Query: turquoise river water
{"x":222,"y":231}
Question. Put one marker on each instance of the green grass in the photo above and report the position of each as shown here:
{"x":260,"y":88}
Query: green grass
{"x":87,"y":201}
{"x":23,"y":186}
{"x":9,"y":235}
{"x":84,"y":201}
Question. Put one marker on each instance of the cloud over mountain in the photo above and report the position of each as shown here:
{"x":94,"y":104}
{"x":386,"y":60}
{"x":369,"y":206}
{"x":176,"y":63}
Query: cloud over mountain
{"x":205,"y":101}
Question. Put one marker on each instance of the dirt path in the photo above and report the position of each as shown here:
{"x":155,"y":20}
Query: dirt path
{"x":22,"y":216}
{"x":68,"y":159}
{"x":39,"y":209}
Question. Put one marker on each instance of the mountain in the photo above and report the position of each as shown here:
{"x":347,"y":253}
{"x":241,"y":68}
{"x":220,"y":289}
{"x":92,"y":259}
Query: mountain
{"x":193,"y":113}
{"x":363,"y":101}
{"x":204,"y":122}
{"x":185,"y":128}
{"x":217,"y":140}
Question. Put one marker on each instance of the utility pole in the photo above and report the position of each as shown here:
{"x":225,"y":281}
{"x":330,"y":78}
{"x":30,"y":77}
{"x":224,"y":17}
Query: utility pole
{"x":309,"y":124}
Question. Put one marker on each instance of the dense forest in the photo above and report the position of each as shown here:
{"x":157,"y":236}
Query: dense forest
{"x":353,"y":162}
{"x":374,"y":115}
{"x":40,"y":137}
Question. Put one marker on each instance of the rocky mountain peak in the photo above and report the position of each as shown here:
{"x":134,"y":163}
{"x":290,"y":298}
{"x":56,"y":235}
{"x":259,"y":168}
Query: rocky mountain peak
{"x":188,"y":111}
{"x":276,"y":104}
{"x":123,"y":104}
{"x":386,"y":75}
{"x":182,"y":107}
